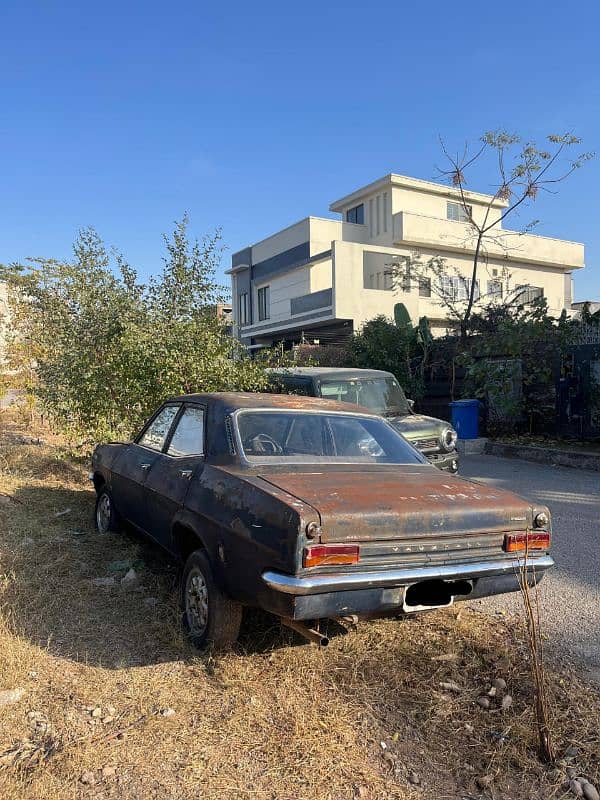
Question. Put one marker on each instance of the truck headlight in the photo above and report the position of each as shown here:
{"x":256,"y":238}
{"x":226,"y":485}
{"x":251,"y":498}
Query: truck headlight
{"x":448,"y":438}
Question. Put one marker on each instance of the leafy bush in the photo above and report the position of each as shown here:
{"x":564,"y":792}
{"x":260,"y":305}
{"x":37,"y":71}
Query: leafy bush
{"x":104,"y":349}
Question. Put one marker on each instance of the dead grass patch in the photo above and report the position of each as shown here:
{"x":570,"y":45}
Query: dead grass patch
{"x":103,"y":670}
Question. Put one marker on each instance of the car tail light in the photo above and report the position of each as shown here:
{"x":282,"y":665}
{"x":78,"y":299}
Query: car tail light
{"x":521,"y":542}
{"x":316,"y":555}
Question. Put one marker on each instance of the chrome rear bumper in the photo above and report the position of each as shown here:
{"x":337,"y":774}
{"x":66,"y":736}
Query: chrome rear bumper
{"x":382,"y":579}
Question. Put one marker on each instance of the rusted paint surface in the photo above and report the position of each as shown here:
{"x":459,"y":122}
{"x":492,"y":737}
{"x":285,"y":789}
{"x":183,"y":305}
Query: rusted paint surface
{"x":401,"y":502}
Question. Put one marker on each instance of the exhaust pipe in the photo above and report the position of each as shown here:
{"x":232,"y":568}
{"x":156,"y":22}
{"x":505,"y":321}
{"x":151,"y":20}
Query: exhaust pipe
{"x":314,"y":636}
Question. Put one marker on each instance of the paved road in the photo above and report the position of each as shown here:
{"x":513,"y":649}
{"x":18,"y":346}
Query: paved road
{"x":571,"y":591}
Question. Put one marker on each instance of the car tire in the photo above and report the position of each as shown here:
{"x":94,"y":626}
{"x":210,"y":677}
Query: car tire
{"x":106,"y":516}
{"x":210,"y":618}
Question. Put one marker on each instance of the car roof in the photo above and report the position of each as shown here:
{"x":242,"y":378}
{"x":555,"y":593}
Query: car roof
{"x":331,"y":372}
{"x":231,"y":401}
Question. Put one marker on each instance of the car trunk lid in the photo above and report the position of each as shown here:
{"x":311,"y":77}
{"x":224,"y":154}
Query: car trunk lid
{"x":360,"y":504}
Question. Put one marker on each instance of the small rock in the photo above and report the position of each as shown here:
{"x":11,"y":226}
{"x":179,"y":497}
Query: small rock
{"x":77,"y":533}
{"x":111,"y":710}
{"x":97,"y":712}
{"x":469,"y":728}
{"x":414,"y":778}
{"x":499,"y":683}
{"x":506,"y":703}
{"x":170,"y":712}
{"x":102,"y":582}
{"x":130,"y":579}
{"x":590,"y":792}
{"x":109,"y":772}
{"x":27,"y":541}
{"x":33,"y":674}
{"x":383,"y":745}
{"x":576,"y":788}
{"x":571,"y":752}
{"x":446,"y":657}
{"x":107,"y":720}
{"x":88,"y":778}
{"x":483,"y":781}
{"x":484,"y":702}
{"x":450,"y":686}
{"x":151,"y":602}
{"x":63,"y":513}
{"x":581,"y":779}
{"x":492,"y":692}
{"x":10,"y":696}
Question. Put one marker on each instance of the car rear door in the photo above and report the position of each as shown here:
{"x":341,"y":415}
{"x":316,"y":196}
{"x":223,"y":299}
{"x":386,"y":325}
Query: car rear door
{"x":169,"y":477}
{"x":133,"y":465}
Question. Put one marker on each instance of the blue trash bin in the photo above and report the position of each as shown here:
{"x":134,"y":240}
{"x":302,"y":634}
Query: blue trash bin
{"x":465,"y":418}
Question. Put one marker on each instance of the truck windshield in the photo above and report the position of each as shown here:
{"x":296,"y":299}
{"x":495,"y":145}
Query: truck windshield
{"x":382,"y":395}
{"x":311,"y":437}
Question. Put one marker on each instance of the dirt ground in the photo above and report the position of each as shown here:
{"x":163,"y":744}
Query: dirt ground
{"x":111,"y":702}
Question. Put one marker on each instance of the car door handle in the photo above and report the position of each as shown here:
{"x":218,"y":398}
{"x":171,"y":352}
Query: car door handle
{"x":145,"y":467}
{"x":186,"y":473}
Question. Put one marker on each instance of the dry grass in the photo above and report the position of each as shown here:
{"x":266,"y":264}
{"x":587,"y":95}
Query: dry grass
{"x":278,"y":719}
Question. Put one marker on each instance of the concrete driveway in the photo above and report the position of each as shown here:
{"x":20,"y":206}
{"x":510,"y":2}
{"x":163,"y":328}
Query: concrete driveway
{"x":571,"y":591}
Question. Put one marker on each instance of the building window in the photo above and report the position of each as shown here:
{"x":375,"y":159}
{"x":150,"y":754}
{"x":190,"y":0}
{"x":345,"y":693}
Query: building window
{"x":378,"y":205}
{"x":243,"y":308}
{"x":263,"y":303}
{"x":457,"y":288}
{"x":424,"y":287}
{"x":527,"y":294}
{"x":371,"y":217}
{"x":385,"y":211}
{"x":494,"y":289}
{"x":356,"y":215}
{"x":456,"y":212}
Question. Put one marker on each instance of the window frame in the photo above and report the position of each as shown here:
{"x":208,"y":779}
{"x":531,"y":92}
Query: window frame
{"x":243,"y":319}
{"x":528,"y":288}
{"x":176,"y":421}
{"x":355,"y":212}
{"x":263,"y":293}
{"x":424,"y":282}
{"x":462,"y":214}
{"x":179,"y":405}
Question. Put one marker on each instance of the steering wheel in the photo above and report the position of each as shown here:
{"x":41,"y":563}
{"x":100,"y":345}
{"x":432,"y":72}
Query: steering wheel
{"x":263,"y":443}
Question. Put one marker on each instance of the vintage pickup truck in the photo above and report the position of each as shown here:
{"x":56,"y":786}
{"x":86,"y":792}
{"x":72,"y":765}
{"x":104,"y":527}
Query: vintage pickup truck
{"x":309,"y":509}
{"x":381,"y":393}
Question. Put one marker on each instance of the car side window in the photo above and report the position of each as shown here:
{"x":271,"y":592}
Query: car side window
{"x":155,"y":435}
{"x":188,"y":439}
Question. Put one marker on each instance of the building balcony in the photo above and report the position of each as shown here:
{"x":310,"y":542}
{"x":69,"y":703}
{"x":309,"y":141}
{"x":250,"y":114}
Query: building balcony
{"x":444,"y":234}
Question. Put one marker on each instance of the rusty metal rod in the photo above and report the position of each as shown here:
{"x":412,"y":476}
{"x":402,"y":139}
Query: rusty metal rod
{"x":314,"y":636}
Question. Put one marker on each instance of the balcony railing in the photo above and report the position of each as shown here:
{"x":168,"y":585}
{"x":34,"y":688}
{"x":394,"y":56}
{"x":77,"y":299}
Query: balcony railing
{"x":311,"y":302}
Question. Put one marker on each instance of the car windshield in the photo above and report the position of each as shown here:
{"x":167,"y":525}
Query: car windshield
{"x":381,"y":395}
{"x":320,"y":436}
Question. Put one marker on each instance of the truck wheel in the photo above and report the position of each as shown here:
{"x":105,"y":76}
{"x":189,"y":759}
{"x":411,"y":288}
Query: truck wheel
{"x":106,"y":516}
{"x":210,"y":618}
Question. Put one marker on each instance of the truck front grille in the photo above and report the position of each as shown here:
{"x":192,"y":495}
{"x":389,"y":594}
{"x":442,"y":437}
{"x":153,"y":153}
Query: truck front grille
{"x":426,"y":444}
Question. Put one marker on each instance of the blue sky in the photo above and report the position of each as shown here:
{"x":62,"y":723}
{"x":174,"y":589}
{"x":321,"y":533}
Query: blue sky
{"x":252,"y":115}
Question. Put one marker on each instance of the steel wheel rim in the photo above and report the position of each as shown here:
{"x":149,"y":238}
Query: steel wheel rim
{"x":103,"y":513}
{"x":196,"y":603}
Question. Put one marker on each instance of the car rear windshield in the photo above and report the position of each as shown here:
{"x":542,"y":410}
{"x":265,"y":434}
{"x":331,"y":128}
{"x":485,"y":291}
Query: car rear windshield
{"x":315,"y":437}
{"x":381,"y":395}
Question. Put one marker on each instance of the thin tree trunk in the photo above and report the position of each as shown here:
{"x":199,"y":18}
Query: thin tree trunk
{"x":467,"y":315}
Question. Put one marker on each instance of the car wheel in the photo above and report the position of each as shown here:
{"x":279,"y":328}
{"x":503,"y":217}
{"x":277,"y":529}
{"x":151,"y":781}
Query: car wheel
{"x":106,"y":516}
{"x":210,"y":618}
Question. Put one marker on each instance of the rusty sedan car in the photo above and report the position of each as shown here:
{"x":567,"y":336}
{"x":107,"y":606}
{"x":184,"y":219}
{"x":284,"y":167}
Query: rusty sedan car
{"x":310,"y":510}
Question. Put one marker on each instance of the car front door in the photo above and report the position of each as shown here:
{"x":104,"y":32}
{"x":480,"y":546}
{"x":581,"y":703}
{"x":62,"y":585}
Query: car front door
{"x":169,"y":477}
{"x":132,"y":467}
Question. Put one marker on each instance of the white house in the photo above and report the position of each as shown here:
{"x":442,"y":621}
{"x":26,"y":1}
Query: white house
{"x":320,"y":279}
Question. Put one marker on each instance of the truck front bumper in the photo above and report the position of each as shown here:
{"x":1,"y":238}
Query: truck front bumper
{"x":444,"y":461}
{"x":381,"y":592}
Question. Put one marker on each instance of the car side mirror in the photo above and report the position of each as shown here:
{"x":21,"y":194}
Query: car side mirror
{"x":411,"y":404}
